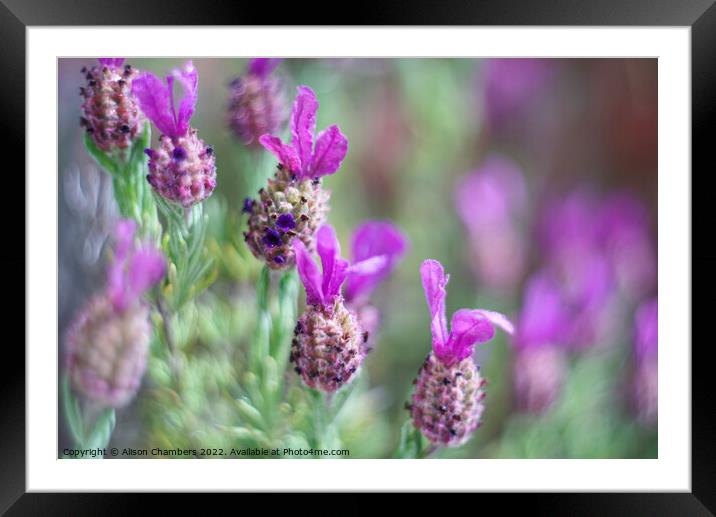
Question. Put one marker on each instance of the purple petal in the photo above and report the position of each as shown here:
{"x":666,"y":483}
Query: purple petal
{"x":369,"y":267}
{"x":146,"y":268}
{"x":329,"y":249}
{"x":434,"y":281}
{"x":331,"y":148}
{"x":285,"y":153}
{"x":498,"y":320}
{"x":374,"y":239}
{"x":111,"y":61}
{"x":155,"y":100}
{"x":467,"y":328}
{"x":303,"y":125}
{"x":308,"y":272}
{"x":189,"y":79}
{"x":123,"y":235}
{"x":262,"y":66}
{"x":338,"y":276}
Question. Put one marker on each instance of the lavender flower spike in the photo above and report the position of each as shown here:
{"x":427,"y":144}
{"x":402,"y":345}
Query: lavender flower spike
{"x":257,"y":103}
{"x":539,"y":363}
{"x":328,"y":345}
{"x":108,"y":344}
{"x":110,"y":113}
{"x":183,"y":168}
{"x":296,"y":187}
{"x":645,"y":372}
{"x":447,"y":402}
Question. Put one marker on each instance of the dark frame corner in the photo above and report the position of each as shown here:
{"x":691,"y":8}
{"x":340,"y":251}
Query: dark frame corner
{"x":700,"y":15}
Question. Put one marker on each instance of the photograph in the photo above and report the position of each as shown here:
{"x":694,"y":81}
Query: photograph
{"x":357,"y":258}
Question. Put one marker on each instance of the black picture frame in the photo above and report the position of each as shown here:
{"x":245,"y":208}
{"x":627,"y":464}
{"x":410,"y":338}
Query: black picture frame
{"x":700,"y":15}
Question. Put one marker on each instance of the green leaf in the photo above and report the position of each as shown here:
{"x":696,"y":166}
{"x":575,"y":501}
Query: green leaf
{"x":73,"y":415}
{"x":103,"y":159}
{"x":102,"y":430}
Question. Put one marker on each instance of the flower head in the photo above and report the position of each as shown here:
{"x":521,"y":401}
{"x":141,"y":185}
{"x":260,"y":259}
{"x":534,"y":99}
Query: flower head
{"x":108,"y":343}
{"x":303,"y":156}
{"x":110,"y":113}
{"x":373,"y":239}
{"x":183,"y":168}
{"x":447,"y":401}
{"x":329,"y":345}
{"x":257,"y":101}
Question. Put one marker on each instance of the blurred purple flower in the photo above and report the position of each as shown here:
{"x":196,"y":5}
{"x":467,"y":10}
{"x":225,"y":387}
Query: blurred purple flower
{"x":322,"y":288}
{"x":569,"y":234}
{"x":543,"y":319}
{"x":644,"y":395}
{"x":510,"y":85}
{"x":543,"y":325}
{"x":374,"y":239}
{"x":300,"y":156}
{"x":257,"y":103}
{"x":134,"y":270}
{"x":468,"y":327}
{"x":491,"y":201}
{"x":624,"y":229}
{"x":646,"y":334}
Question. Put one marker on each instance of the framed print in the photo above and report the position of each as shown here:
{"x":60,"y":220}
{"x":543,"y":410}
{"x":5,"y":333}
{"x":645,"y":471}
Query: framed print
{"x":369,"y":253}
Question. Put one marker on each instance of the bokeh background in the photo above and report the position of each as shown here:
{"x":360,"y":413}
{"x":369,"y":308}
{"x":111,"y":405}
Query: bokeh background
{"x":578,"y":137}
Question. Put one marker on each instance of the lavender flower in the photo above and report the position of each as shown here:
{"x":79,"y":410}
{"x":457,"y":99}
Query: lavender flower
{"x":645,"y":378}
{"x":447,"y":402}
{"x":571,"y":242}
{"x":491,"y":202}
{"x":257,"y":102}
{"x":296,"y":188}
{"x":538,"y":368}
{"x":108,"y":343}
{"x":110,"y":114}
{"x":624,"y":230}
{"x":372,"y":239}
{"x":329,"y":345}
{"x":183,"y":168}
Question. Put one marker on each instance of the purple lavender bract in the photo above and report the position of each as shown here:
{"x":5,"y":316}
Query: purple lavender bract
{"x":183,"y":168}
{"x":447,"y":402}
{"x":108,"y":343}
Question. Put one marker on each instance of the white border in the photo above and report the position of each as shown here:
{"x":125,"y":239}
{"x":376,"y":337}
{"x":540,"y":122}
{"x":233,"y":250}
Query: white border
{"x":670,"y":472}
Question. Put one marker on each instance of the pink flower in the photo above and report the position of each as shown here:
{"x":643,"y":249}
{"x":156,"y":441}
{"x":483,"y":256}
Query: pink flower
{"x":302,"y":156}
{"x":467,"y":327}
